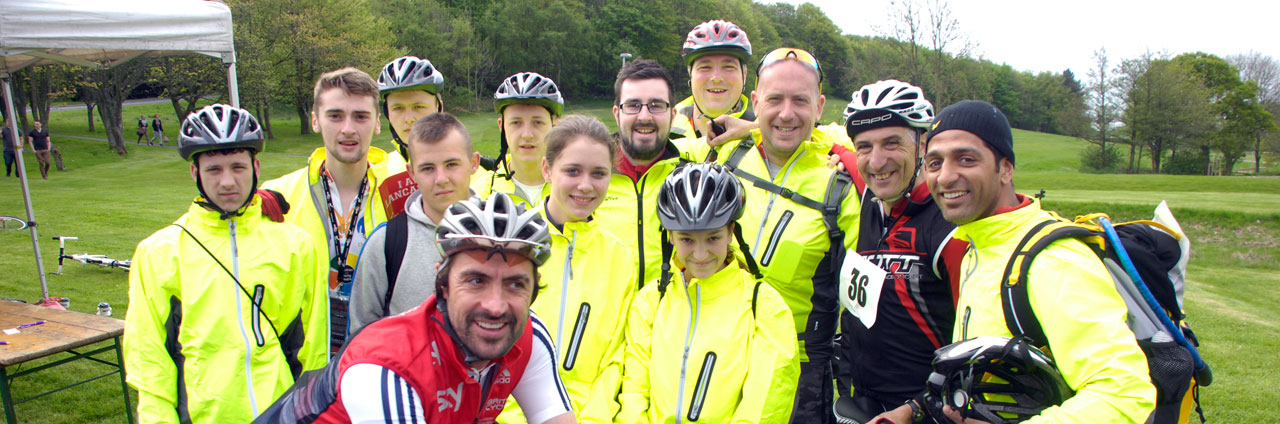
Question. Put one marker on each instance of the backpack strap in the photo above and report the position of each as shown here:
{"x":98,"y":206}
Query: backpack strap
{"x":393,"y":247}
{"x":1014,"y":298}
{"x":754,"y":294}
{"x":829,"y":207}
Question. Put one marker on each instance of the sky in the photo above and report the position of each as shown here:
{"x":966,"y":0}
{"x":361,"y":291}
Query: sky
{"x":1037,"y":35}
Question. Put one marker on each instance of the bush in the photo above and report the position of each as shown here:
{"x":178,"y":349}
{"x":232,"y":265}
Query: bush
{"x":1094,"y":159}
{"x":1186,"y":163}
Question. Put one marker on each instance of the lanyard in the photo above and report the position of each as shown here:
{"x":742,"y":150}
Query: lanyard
{"x":341,"y":244}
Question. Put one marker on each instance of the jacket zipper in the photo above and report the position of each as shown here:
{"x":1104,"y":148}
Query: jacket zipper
{"x":694,"y":306}
{"x":564,"y":288}
{"x":248,"y":349}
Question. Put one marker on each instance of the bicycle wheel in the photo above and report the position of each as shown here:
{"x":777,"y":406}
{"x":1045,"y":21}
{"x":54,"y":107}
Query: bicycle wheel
{"x":9,"y":223}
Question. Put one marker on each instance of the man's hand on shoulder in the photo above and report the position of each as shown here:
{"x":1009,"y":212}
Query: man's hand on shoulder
{"x":734,"y":129}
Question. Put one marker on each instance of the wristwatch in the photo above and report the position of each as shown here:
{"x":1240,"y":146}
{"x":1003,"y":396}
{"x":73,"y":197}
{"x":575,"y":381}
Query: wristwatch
{"x":917,"y":413}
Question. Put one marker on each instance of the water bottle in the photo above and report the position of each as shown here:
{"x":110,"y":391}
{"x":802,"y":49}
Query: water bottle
{"x":104,"y":309}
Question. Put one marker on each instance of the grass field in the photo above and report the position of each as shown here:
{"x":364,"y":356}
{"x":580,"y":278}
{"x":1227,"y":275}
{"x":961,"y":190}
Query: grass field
{"x":113,"y":202}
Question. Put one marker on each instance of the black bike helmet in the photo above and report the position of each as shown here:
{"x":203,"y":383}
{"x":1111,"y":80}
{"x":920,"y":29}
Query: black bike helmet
{"x":219,"y":127}
{"x":994,"y":379}
{"x":700,"y":196}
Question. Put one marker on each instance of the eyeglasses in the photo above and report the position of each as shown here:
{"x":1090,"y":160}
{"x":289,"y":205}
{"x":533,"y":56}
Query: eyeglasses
{"x":789,"y":53}
{"x":655,"y":107}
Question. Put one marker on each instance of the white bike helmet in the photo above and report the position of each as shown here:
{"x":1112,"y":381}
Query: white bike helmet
{"x":496,"y":223}
{"x":531,"y":88}
{"x":409,"y":73}
{"x":219,"y":127}
{"x":887,"y":103}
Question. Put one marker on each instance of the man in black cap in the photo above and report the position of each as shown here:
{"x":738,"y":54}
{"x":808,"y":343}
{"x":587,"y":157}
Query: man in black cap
{"x":968,"y":166}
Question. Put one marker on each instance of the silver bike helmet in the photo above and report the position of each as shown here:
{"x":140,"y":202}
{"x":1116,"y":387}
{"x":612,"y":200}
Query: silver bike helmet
{"x":887,"y":103}
{"x":410,"y":73}
{"x":531,"y":88}
{"x":700,"y":196}
{"x":994,"y":379}
{"x":219,"y":127}
{"x":497,"y":223}
{"x":716,"y":37}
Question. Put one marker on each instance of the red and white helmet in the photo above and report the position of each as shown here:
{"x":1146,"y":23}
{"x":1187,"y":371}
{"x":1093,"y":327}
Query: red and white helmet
{"x":716,"y":37}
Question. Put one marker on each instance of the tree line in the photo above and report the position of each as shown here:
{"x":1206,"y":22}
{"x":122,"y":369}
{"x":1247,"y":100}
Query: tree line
{"x":1193,"y":113}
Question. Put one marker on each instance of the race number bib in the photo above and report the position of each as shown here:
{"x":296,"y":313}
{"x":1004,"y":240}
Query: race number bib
{"x":860,"y":285}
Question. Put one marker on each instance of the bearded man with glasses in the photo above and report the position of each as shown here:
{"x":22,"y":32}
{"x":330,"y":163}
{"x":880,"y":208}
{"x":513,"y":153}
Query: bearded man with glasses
{"x":642,"y":108}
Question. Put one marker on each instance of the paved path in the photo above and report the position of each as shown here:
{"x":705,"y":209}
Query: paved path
{"x":172,"y":144}
{"x":80,"y":106}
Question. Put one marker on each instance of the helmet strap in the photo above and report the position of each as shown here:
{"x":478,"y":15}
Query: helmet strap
{"x":746,"y":253}
{"x":203,"y":200}
{"x":665,"y":278}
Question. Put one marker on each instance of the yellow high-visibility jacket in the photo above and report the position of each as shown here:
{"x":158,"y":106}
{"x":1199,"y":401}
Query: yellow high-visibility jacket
{"x":195,"y":346}
{"x":484,"y":183}
{"x":308,"y":211}
{"x":790,"y":241}
{"x":589,"y":282}
{"x":1077,"y":304}
{"x":701,"y":354}
{"x":630,"y":211}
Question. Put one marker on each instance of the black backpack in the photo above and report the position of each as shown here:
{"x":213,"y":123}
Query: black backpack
{"x":1143,"y":259}
{"x":393,"y":247}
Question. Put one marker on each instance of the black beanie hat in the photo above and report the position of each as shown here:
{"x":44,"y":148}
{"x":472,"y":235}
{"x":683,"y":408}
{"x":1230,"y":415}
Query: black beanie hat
{"x":981,"y":119}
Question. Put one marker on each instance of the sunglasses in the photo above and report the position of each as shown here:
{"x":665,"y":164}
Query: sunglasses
{"x":790,"y":53}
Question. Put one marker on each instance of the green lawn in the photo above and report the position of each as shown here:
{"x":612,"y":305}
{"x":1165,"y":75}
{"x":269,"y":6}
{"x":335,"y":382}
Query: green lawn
{"x":113,"y":202}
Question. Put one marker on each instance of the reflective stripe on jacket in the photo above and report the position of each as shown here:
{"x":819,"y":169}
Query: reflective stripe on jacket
{"x":589,"y":282}
{"x":1077,"y":304}
{"x":196,"y":348}
{"x":699,"y":354}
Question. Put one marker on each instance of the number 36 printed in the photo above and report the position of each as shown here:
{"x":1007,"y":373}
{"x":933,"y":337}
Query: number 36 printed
{"x":860,"y":285}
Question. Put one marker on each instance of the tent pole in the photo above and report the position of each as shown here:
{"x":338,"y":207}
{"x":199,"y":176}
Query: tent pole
{"x":233,"y":85}
{"x":26,"y":192}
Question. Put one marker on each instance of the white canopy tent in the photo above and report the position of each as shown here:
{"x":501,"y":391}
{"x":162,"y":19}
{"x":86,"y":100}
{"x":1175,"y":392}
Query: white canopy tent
{"x":103,"y":34}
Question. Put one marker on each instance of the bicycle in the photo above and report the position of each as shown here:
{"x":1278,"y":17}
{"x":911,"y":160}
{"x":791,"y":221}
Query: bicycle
{"x":86,"y":258}
{"x":10,"y":223}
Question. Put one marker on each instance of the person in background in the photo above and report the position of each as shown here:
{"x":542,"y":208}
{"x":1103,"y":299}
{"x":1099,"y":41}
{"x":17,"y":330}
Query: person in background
{"x":142,"y":130}
{"x":39,"y":141}
{"x":157,"y":130}
{"x":528,"y":106}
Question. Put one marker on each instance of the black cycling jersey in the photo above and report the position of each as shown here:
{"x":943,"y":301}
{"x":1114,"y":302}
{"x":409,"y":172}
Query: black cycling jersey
{"x":891,"y":361}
